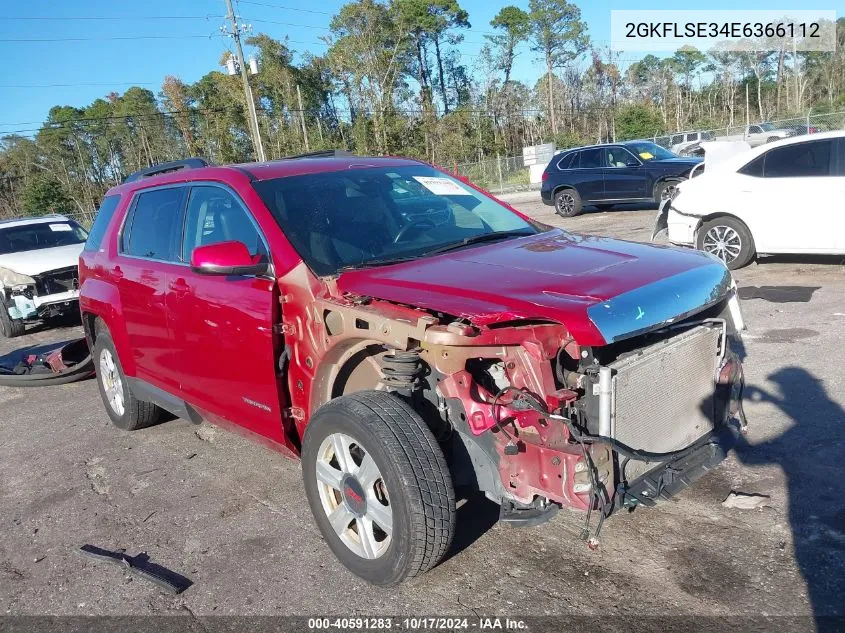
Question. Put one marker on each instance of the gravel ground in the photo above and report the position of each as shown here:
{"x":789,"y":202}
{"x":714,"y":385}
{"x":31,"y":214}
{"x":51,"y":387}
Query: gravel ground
{"x":232,"y":516}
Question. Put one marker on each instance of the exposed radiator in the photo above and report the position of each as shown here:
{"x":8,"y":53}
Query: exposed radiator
{"x":662,"y":396}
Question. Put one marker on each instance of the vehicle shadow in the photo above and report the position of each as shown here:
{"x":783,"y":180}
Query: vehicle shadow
{"x":476,"y":515}
{"x":633,"y":206}
{"x":836,"y":260}
{"x":810,"y":453}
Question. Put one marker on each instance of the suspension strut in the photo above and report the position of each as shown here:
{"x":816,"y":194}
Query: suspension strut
{"x":401,"y":371}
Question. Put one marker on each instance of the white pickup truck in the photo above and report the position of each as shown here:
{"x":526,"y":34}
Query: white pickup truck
{"x":760,"y":133}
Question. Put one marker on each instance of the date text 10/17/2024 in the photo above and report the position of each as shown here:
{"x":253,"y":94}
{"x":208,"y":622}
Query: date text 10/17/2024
{"x":417,"y":624}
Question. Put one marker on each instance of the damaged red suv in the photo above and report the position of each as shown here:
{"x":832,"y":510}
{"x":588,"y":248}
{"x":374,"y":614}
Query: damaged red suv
{"x":404,"y":333}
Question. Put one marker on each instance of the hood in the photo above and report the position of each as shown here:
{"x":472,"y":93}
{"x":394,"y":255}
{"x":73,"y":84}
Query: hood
{"x":42,"y":260}
{"x":555,"y":276}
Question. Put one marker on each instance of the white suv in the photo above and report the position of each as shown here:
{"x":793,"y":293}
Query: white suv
{"x":39,"y":270}
{"x":783,"y":197}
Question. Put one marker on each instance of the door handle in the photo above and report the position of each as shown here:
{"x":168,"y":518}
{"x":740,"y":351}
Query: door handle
{"x":117,"y":273}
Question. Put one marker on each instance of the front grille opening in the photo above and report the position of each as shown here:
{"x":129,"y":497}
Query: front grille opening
{"x":56,"y":281}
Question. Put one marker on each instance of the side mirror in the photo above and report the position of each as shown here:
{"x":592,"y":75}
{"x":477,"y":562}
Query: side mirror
{"x":633,"y":163}
{"x":225,"y":258}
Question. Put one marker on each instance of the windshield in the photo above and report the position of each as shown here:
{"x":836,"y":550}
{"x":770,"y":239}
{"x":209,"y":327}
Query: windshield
{"x":767,"y":127}
{"x":381,"y":215}
{"x":650,"y":151}
{"x":32,"y":237}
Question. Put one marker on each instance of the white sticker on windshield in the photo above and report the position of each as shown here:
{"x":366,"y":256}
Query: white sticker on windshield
{"x":61,"y":227}
{"x":442,"y":186}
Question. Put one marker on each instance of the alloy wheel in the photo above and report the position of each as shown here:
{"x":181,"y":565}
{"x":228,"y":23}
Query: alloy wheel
{"x":723,"y":242}
{"x":112,"y":383}
{"x":565,"y":203}
{"x":354,"y":496}
{"x":667,"y":193}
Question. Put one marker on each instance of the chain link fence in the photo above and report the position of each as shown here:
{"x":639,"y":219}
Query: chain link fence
{"x":497,"y":175}
{"x":687,"y":143}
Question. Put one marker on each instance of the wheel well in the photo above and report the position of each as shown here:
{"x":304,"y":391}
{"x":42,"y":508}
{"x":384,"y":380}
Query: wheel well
{"x":560,"y":188}
{"x":92,"y":324}
{"x":713,"y":216}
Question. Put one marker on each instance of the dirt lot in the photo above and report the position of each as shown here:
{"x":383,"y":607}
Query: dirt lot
{"x":232,"y":516}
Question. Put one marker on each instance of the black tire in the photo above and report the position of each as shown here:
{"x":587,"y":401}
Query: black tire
{"x":136,"y":414}
{"x":9,"y":327}
{"x":568,"y":203}
{"x":729,"y":239}
{"x":605,"y":206}
{"x":415,"y":482}
{"x":664,"y":188}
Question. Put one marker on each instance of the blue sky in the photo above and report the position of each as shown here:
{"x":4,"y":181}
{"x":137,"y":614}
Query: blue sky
{"x":40,"y":74}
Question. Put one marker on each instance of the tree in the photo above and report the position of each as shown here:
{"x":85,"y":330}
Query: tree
{"x":559,"y":35}
{"x":429,"y":21}
{"x":43,"y":195}
{"x":516,"y":26}
{"x":638,"y":121}
{"x":369,"y":50}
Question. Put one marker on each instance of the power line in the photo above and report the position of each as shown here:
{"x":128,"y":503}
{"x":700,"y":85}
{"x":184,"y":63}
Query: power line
{"x":102,"y":39}
{"x":112,"y":17}
{"x":285,"y":7}
{"x":69,"y":85}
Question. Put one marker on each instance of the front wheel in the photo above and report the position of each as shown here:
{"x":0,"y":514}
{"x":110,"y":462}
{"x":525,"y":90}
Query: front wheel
{"x":9,"y":327}
{"x":378,"y":486}
{"x":728,"y":239}
{"x":665,"y":190}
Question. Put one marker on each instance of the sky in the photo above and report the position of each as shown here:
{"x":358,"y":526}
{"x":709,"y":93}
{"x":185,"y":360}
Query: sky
{"x":182,"y":37}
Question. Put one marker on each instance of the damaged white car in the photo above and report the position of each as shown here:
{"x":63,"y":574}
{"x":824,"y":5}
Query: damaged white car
{"x":39,"y":276}
{"x":783,"y":197}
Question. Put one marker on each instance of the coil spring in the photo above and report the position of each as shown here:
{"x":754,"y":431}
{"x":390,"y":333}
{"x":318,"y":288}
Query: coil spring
{"x":401,"y":370}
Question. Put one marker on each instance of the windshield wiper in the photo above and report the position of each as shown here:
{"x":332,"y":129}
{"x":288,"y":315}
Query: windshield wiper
{"x":478,"y":239}
{"x":372,"y":263}
{"x":475,"y":239}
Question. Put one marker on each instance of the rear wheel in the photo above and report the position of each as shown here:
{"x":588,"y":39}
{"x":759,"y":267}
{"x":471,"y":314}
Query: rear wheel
{"x":728,"y":239}
{"x":378,"y":486}
{"x":9,"y":327}
{"x":567,"y":203}
{"x":125,"y":410}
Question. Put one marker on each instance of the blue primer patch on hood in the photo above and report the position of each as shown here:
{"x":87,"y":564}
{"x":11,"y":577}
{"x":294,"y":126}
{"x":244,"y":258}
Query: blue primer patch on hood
{"x":661,"y":302}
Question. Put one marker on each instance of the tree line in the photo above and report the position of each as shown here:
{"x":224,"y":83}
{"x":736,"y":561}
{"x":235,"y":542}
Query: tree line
{"x":393,"y":80}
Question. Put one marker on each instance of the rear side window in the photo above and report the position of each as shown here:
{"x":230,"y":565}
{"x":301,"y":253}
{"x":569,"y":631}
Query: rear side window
{"x":101,"y":223}
{"x":591,"y":158}
{"x":754,"y":168}
{"x":154,"y":228}
{"x":567,"y":161}
{"x":801,"y":160}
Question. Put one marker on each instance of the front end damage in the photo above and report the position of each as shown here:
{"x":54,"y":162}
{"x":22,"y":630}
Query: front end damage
{"x":524,"y":412}
{"x":48,"y":294}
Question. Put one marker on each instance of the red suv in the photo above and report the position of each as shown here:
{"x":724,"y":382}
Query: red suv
{"x":404,"y":333}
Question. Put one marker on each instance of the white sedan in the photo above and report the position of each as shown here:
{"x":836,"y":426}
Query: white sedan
{"x":783,"y":197}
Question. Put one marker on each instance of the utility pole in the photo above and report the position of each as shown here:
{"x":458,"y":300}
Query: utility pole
{"x":252,"y":117}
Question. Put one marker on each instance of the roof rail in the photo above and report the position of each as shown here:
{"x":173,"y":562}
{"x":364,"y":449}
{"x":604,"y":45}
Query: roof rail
{"x":322,"y":153}
{"x":164,"y":168}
